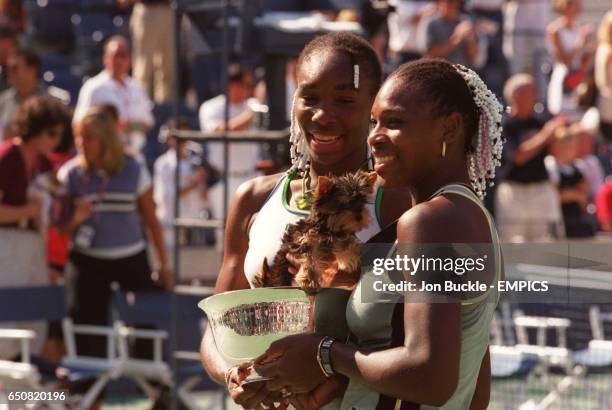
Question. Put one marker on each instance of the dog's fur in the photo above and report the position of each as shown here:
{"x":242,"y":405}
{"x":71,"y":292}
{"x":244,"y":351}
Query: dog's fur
{"x":324,"y":244}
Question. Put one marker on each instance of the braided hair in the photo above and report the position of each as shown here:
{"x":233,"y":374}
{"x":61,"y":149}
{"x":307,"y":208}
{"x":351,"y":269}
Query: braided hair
{"x":452,"y":88}
{"x":365,"y":63}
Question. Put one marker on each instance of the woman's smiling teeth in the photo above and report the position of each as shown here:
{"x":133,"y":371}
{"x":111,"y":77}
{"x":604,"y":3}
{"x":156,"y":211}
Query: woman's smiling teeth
{"x":325,"y":139}
{"x":381,"y":159}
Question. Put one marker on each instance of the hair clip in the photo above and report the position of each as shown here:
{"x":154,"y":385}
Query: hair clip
{"x":356,"y":76}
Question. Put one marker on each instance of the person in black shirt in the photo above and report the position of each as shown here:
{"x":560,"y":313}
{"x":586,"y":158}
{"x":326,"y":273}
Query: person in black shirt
{"x":572,"y":186}
{"x":526,"y":202}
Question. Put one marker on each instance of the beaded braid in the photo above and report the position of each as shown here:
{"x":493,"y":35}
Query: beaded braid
{"x":300,"y":159}
{"x":487,"y":143}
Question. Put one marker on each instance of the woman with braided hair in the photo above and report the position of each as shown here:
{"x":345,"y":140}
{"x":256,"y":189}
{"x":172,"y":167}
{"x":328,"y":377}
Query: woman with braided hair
{"x":338,"y":75}
{"x":436,"y":130}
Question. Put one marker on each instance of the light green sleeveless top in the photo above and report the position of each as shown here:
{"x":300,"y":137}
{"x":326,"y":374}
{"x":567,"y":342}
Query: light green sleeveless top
{"x":371,"y":323}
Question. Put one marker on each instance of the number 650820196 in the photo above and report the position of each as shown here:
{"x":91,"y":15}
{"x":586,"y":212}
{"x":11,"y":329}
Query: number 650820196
{"x":28,"y":396}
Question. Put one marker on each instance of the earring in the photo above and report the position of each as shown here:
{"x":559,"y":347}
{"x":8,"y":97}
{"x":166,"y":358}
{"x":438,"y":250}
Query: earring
{"x":443,"y":149}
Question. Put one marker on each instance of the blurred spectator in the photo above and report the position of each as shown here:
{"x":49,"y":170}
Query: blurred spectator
{"x":489,"y":21}
{"x":8,"y":44}
{"x":451,"y":35}
{"x":39,"y":126}
{"x":603,"y":205}
{"x":193,"y":191}
{"x":331,"y":6}
{"x":261,"y":95}
{"x":374,"y":16}
{"x":568,"y":41}
{"x":524,"y":34}
{"x":526,"y":203}
{"x":153,"y":33}
{"x":573,"y":187}
{"x":112,"y":210}
{"x":115,"y":87}
{"x":603,"y":75}
{"x":23,"y":68}
{"x":407,"y":24}
{"x":588,"y":164}
{"x":57,"y":242}
{"x":243,"y":156}
{"x":12,"y":11}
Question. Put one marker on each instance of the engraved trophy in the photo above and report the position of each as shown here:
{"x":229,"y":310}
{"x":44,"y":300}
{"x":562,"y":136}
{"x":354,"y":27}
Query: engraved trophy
{"x":245,"y":322}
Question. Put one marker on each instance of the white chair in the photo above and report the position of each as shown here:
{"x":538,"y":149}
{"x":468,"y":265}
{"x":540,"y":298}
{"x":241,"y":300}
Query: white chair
{"x":558,"y":355}
{"x":50,"y":305}
{"x":23,"y":372}
{"x":507,"y":360}
{"x":100,"y":369}
{"x":143,"y":371}
{"x":118,"y":362}
{"x":599,"y":350}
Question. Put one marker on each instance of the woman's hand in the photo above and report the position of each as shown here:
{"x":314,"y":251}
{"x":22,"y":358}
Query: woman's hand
{"x":82,"y":212}
{"x":323,"y":394}
{"x":249,"y":395}
{"x":166,"y":277}
{"x":287,"y":355}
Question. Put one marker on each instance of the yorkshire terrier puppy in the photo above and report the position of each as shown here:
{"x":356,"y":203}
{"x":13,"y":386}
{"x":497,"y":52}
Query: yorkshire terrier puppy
{"x":324,"y":244}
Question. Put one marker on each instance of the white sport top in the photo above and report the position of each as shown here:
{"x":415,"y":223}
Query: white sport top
{"x":269,"y":226}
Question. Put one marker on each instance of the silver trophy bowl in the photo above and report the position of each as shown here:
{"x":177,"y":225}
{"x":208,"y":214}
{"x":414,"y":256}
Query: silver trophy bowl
{"x":245,"y":322}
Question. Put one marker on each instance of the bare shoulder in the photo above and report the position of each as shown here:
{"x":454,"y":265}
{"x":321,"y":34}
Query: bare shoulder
{"x":247,"y":202}
{"x":424,"y":223}
{"x":253,"y":193}
{"x":449,"y":219}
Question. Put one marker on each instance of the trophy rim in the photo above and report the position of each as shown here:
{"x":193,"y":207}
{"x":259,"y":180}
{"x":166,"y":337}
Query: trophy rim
{"x":252,"y":295}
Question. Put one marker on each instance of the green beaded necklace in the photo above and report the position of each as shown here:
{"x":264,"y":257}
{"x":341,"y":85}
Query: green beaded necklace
{"x":304,"y":200}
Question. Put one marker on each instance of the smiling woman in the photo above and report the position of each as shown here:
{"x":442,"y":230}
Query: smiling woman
{"x":113,"y":207}
{"x":38,"y":124}
{"x":338,"y":76}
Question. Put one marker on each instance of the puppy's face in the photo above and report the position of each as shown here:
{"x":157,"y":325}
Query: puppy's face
{"x":343,"y":199}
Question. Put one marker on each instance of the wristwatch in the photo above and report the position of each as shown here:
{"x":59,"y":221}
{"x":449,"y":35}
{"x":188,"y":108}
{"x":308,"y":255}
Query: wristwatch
{"x":324,"y":356}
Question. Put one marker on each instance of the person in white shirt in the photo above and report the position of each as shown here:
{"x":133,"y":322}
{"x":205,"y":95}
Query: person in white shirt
{"x":193,"y":175}
{"x":407,"y":28}
{"x":114,"y":86}
{"x":525,"y":34}
{"x":243,"y":157}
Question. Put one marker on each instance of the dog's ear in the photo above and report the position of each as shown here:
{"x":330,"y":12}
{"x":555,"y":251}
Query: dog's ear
{"x":372,"y":176}
{"x":324,"y":185}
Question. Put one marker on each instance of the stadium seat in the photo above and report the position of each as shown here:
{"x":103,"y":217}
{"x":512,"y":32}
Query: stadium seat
{"x":99,"y":5}
{"x":46,"y":26}
{"x":65,"y":79}
{"x":91,"y":31}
